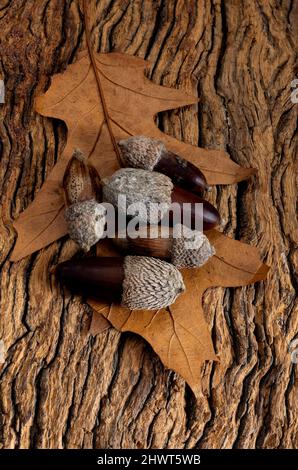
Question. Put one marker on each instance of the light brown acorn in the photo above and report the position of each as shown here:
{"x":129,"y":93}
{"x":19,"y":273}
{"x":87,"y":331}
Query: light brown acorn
{"x":181,"y":246}
{"x":137,"y":282}
{"x":151,"y":154}
{"x":141,"y":188}
{"x":85,"y":217}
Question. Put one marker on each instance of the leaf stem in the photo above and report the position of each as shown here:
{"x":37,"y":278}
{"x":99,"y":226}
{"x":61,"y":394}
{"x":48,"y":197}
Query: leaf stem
{"x":99,"y":84}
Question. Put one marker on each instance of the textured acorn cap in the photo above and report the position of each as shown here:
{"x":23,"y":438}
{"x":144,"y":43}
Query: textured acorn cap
{"x":191,"y":249}
{"x":141,"y":152}
{"x":85,"y":222}
{"x":150,"y":283}
{"x":140,"y":187}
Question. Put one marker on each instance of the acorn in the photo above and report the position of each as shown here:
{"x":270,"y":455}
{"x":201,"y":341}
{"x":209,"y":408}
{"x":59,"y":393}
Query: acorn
{"x":181,"y":246}
{"x":137,"y":282}
{"x":142,"y":188}
{"x":211,"y":217}
{"x":151,"y":154}
{"x":84,"y":216}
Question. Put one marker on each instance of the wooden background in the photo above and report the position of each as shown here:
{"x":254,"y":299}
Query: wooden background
{"x":59,"y":386}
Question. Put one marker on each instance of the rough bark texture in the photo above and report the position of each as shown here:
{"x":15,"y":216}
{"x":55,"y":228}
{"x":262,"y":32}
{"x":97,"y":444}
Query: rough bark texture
{"x":59,"y":386}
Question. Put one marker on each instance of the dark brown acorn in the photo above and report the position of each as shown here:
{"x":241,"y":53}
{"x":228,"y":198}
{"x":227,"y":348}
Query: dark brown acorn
{"x":181,"y":246}
{"x":147,"y":187}
{"x":151,"y":154}
{"x":211,"y":217}
{"x":138,"y":282}
{"x":158,"y":246}
{"x":94,"y":277}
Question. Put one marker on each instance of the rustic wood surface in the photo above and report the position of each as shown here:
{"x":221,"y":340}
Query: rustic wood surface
{"x":60,"y":387}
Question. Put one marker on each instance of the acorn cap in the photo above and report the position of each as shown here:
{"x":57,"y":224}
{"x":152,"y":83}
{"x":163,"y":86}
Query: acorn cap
{"x":85,"y":222}
{"x":141,"y":152}
{"x":190,"y":248}
{"x":150,"y":283}
{"x":140,"y":187}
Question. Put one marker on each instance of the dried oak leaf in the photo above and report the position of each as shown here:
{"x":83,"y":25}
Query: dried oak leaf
{"x":180,"y":334}
{"x":132,"y":101}
{"x":98,"y":324}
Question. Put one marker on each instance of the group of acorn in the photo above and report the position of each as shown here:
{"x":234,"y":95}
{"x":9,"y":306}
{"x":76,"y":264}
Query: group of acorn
{"x":147,"y":276}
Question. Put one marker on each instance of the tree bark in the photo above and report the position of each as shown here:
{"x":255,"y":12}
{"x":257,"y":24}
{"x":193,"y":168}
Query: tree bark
{"x":63,"y":388}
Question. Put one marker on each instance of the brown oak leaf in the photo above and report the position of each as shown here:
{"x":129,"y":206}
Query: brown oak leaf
{"x":98,"y":324}
{"x":180,"y":334}
{"x":132,"y":101}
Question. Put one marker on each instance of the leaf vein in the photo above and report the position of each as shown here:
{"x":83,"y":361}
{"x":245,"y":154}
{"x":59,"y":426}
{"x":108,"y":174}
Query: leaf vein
{"x":179,"y":100}
{"x":73,"y":89}
{"x":181,"y":346}
{"x":44,"y":229}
